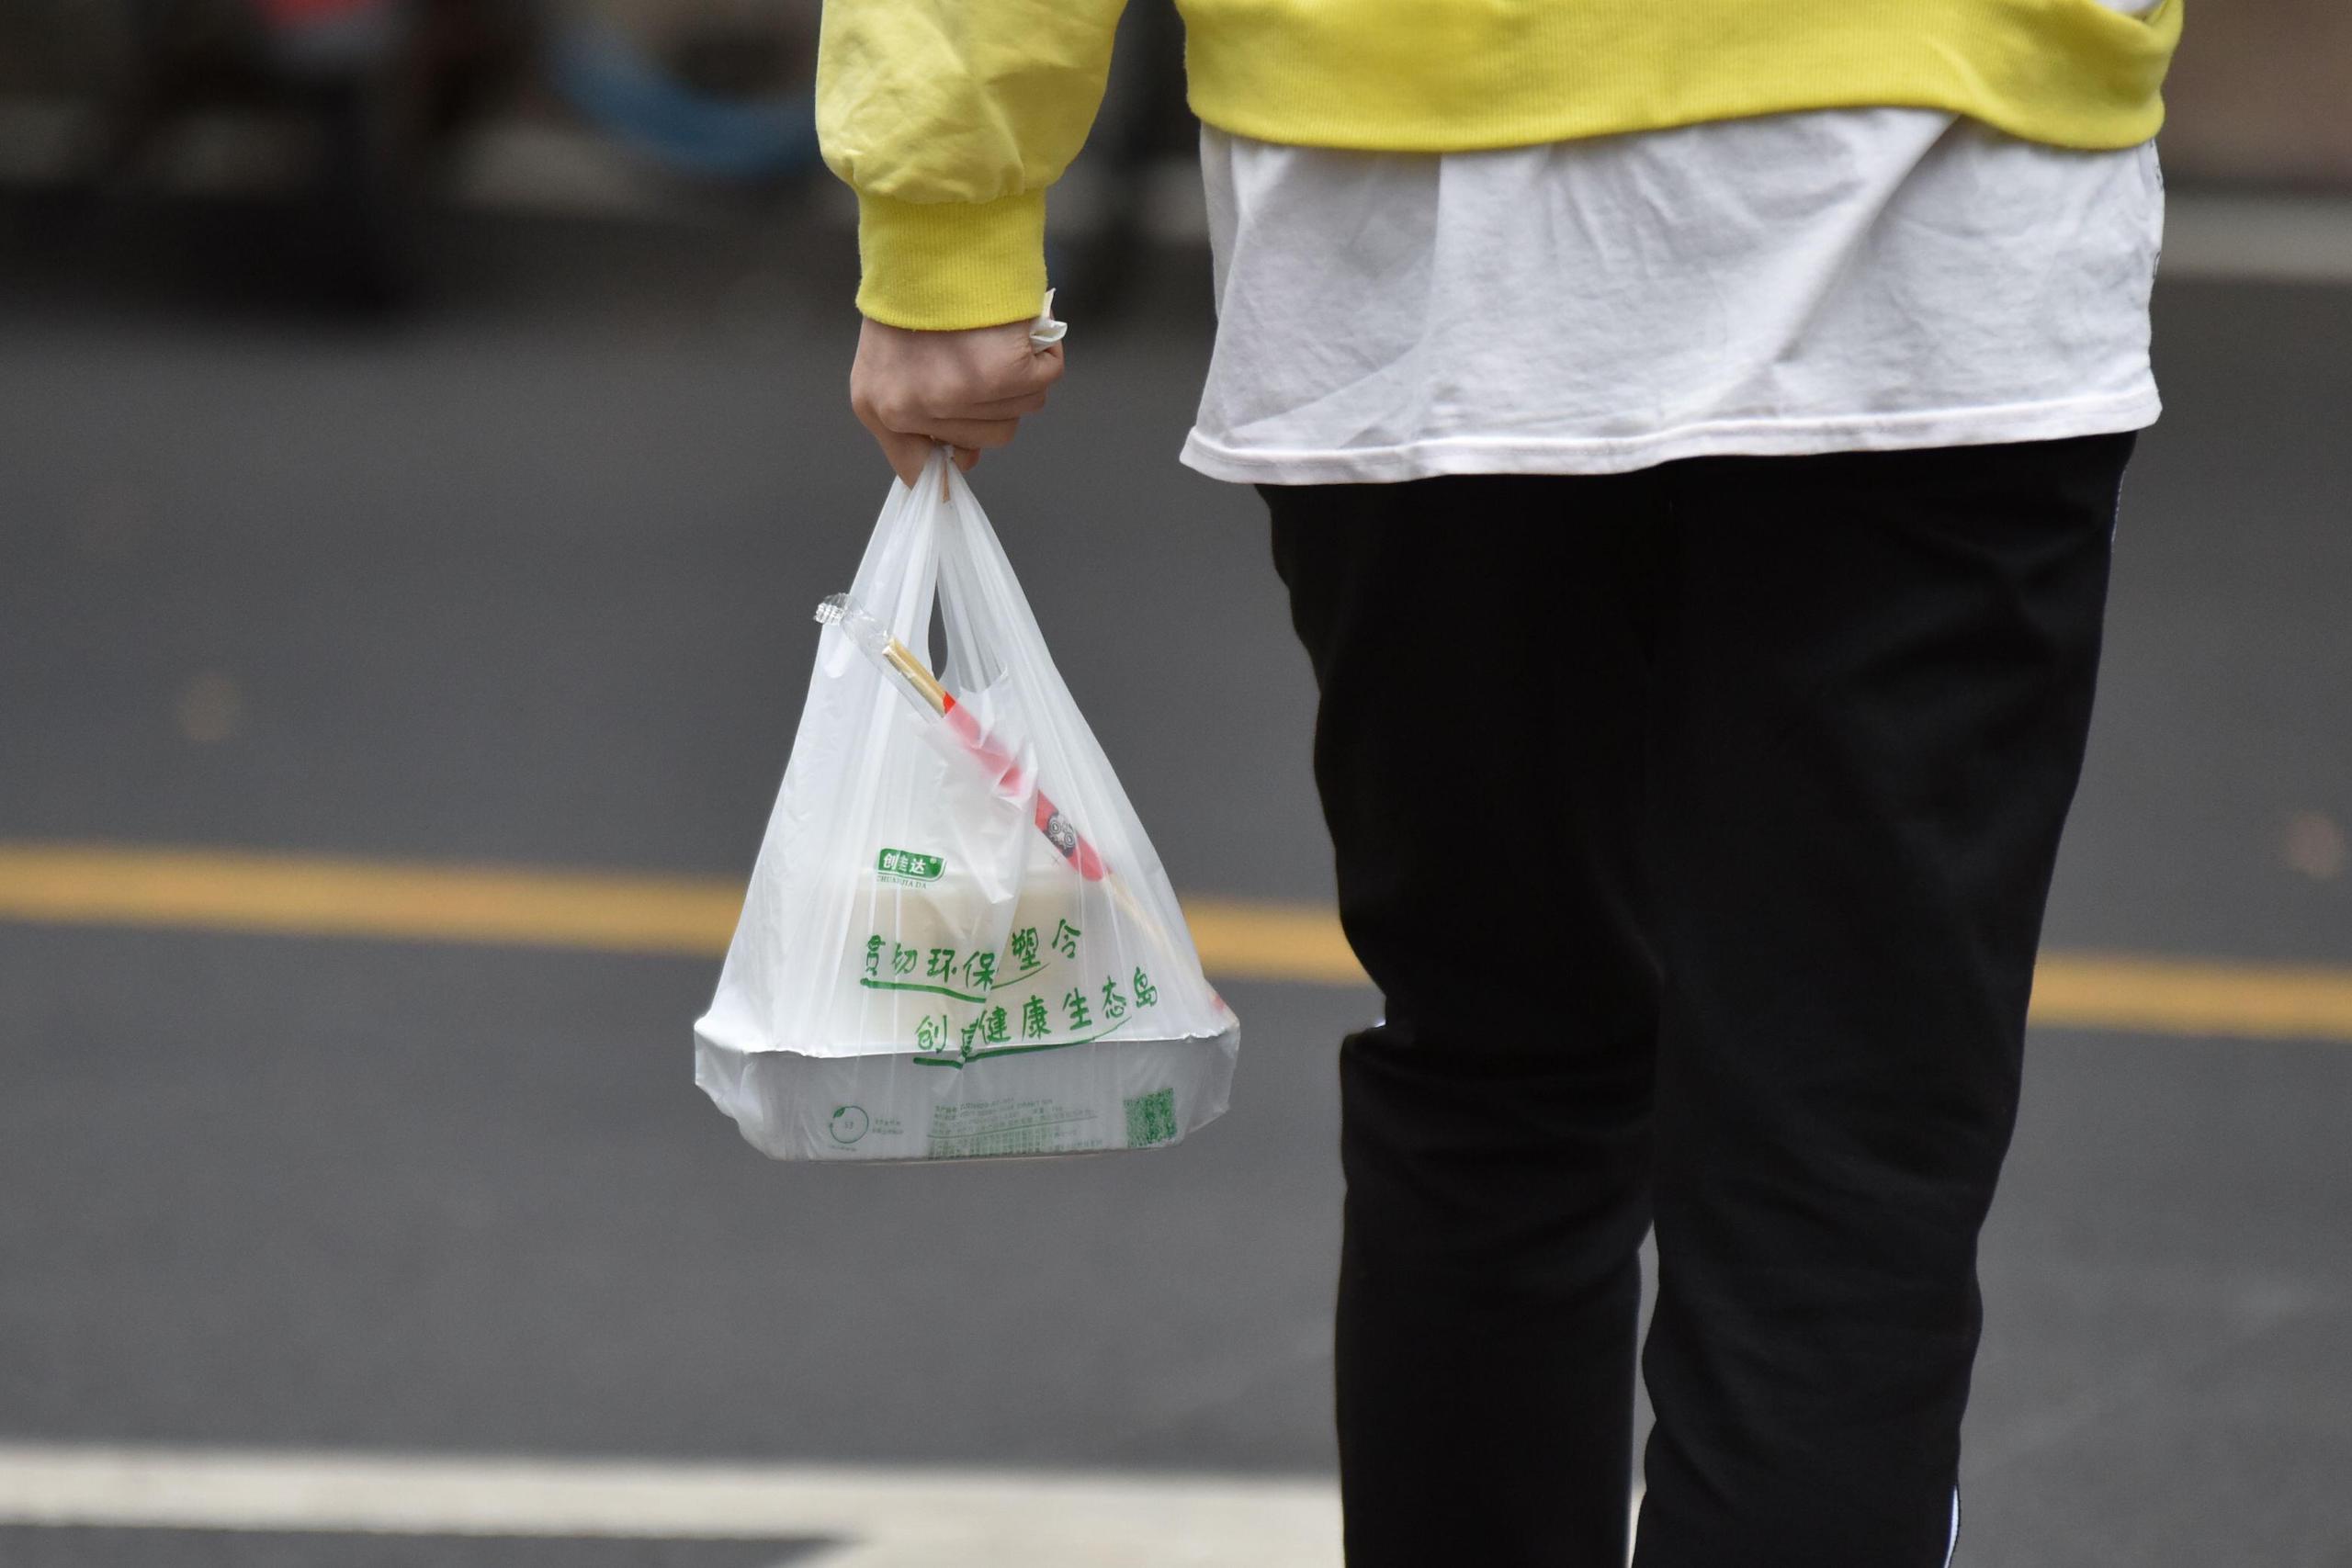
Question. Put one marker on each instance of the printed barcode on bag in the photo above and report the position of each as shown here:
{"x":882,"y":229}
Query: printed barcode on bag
{"x":1011,"y":1126}
{"x":1151,"y":1119}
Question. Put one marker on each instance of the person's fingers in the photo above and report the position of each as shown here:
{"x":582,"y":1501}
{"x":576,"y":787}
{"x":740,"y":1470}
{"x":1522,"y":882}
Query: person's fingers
{"x":908,"y":450}
{"x":1024,"y":372}
{"x":1001,"y":408}
{"x":969,"y":390}
{"x":1044,"y":367}
{"x":972,"y":432}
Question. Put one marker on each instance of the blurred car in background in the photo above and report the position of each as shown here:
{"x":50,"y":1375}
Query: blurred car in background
{"x":353,"y":101}
{"x":354,"y":109}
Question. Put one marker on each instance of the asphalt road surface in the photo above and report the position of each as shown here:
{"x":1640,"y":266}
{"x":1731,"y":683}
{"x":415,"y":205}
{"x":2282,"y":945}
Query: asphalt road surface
{"x":525,"y":578}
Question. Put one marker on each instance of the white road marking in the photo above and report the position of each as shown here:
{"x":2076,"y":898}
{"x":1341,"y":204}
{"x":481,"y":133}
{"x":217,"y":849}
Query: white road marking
{"x":885,"y":1518}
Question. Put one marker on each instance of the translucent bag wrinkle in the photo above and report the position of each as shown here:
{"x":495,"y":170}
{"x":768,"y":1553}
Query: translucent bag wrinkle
{"x":921,"y":971}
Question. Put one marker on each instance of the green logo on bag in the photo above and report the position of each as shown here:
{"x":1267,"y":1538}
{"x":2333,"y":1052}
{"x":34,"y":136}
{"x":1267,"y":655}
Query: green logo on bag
{"x":848,"y":1123}
{"x":1151,"y":1119}
{"x":907,"y":865}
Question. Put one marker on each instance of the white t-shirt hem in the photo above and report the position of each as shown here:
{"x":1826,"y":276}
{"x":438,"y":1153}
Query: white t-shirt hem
{"x":1429,"y":458}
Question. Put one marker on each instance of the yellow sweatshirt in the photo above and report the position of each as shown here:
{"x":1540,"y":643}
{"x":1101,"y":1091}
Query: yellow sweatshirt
{"x":950,"y":117}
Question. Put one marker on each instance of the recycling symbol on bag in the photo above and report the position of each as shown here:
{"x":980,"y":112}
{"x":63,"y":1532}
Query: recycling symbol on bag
{"x":849,"y":1123}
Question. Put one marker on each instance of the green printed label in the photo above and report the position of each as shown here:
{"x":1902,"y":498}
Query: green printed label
{"x":1010,"y":1017}
{"x":1151,"y":1119}
{"x":909,"y":865}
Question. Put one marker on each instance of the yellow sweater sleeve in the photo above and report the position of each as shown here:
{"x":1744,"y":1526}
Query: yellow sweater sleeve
{"x":949,"y":119}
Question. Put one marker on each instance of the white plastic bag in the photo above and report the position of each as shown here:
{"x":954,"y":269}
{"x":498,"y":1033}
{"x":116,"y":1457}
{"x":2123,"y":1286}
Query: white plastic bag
{"x":932,"y":963}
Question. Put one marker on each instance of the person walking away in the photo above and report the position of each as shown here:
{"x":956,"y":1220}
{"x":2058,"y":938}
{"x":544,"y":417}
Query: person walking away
{"x":1756,"y":382}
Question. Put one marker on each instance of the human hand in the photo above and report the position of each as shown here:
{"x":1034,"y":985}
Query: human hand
{"x":968,"y":388}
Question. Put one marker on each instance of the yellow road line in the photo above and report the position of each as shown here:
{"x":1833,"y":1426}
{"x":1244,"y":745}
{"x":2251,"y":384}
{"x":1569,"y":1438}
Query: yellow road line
{"x":1238,"y":939}
{"x":326,"y":895}
{"x":2138,"y":994}
{"x":293,"y":895}
{"x":1250,"y":939}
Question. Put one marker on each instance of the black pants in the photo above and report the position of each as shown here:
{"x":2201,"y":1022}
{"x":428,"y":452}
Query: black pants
{"x":1696,"y":824}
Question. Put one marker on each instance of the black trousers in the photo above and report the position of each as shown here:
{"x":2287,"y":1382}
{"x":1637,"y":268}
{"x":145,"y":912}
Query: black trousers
{"x":1696,"y":824}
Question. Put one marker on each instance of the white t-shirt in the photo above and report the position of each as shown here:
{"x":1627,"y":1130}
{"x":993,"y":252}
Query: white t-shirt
{"x":1825,"y":281}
